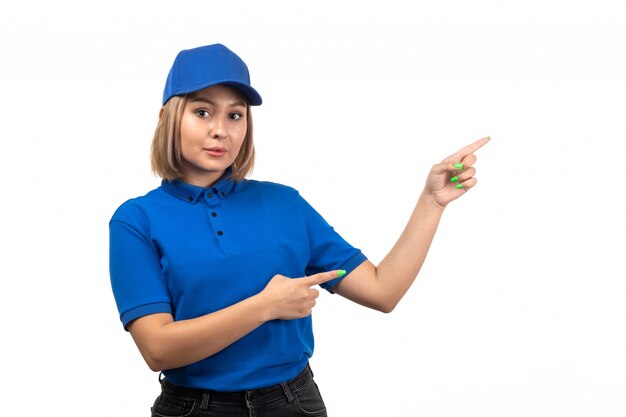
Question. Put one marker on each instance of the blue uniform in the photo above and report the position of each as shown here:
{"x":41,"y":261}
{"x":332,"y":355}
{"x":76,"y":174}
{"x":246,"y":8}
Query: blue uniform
{"x":191,"y":251}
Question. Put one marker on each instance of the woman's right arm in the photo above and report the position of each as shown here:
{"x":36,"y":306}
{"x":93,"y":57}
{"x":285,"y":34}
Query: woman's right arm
{"x":167,"y":344}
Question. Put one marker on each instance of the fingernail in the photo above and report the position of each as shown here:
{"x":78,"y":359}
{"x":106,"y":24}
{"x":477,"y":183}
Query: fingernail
{"x":454,"y":179}
{"x":341,"y":273}
{"x":459,"y":186}
{"x":458,"y":166}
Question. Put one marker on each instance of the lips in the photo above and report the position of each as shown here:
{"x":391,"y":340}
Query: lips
{"x":216,"y":151}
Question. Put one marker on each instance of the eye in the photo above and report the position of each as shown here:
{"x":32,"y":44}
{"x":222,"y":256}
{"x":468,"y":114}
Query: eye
{"x":202,"y":113}
{"x":235,"y":116}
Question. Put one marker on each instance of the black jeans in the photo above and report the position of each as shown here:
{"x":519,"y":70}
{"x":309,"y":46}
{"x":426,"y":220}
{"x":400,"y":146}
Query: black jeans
{"x":295,"y":398}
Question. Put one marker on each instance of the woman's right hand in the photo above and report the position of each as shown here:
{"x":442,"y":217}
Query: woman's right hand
{"x":293,"y":298}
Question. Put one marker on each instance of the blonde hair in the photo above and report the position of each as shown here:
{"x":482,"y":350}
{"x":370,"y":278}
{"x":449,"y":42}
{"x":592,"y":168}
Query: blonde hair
{"x":166,"y":157}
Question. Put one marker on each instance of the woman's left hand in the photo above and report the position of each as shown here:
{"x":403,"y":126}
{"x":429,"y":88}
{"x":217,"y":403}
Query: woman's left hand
{"x":447,"y":182}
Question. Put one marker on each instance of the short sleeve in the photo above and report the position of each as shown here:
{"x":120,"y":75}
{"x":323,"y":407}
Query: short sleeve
{"x":135,"y":269}
{"x":328,"y":250}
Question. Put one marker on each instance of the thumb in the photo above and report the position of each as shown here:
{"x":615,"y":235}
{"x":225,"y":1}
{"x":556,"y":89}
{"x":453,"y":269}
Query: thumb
{"x":446,"y":166}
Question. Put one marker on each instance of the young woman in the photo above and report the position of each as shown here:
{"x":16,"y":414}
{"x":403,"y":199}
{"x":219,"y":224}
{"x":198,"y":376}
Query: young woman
{"x":213,"y":273}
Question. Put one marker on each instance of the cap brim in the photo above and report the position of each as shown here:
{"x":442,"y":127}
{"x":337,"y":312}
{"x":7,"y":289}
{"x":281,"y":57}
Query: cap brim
{"x":253,"y":97}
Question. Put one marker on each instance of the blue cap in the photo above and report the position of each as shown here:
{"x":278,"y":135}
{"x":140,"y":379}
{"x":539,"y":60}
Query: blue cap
{"x":198,"y":68}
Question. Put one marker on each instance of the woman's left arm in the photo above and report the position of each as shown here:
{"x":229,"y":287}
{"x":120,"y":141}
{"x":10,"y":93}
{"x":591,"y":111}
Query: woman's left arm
{"x":382,"y":287}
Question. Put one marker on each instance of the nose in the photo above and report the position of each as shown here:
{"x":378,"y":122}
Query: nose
{"x":217,"y":129}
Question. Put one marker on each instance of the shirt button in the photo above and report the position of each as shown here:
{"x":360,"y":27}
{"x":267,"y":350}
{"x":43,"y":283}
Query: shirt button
{"x":219,"y":232}
{"x":190,"y":198}
{"x":209,"y":195}
{"x":214,"y":214}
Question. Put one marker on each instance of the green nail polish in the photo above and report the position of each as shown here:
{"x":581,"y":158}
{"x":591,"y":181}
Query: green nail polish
{"x":459,"y":186}
{"x":341,"y":273}
{"x":458,"y":166}
{"x":454,"y":179}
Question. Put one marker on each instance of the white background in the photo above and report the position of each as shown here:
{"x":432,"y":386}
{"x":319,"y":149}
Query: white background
{"x":520,"y":307}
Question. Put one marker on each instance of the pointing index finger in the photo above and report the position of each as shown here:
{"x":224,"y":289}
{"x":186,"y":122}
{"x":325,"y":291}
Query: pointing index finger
{"x":323,"y":277}
{"x":468,"y":150}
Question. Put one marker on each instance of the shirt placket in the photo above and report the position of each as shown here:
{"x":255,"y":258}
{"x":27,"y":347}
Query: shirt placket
{"x":214,"y":213}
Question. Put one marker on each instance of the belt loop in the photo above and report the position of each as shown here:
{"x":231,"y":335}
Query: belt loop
{"x":204,"y":404}
{"x":287,"y":391}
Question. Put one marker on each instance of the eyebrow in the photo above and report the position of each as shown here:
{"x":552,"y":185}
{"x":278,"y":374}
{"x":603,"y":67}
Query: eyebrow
{"x":209,"y":101}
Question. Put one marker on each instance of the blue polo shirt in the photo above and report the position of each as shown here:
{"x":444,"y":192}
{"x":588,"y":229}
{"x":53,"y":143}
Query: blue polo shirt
{"x":191,"y":251}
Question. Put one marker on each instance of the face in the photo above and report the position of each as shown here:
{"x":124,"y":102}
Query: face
{"x":212,"y":130}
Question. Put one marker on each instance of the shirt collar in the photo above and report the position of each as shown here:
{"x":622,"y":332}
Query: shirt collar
{"x":191,"y":193}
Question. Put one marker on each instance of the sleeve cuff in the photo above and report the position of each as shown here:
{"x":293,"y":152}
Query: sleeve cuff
{"x":349,"y":266}
{"x":144,"y":310}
